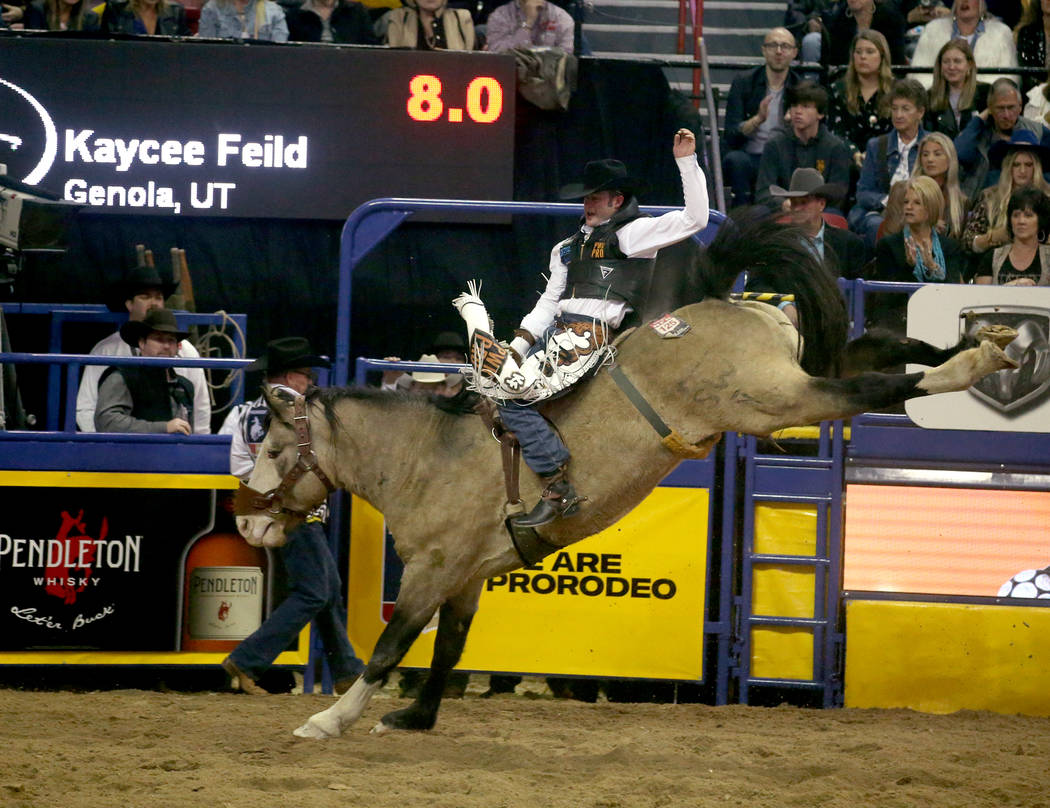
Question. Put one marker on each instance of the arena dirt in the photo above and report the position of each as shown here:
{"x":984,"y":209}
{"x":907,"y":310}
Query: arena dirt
{"x":149,"y":749}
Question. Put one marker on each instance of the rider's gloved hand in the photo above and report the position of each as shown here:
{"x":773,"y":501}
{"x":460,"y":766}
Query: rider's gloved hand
{"x":521,"y":343}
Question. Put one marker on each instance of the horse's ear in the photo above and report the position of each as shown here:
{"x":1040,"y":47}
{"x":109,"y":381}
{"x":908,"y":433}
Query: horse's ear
{"x":280,"y":403}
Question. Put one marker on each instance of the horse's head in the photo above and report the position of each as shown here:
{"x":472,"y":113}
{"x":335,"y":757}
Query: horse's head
{"x":287,"y":469}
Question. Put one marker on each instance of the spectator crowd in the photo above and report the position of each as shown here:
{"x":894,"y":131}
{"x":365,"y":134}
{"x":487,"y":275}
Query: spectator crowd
{"x":416,"y":24}
{"x":940,"y":172}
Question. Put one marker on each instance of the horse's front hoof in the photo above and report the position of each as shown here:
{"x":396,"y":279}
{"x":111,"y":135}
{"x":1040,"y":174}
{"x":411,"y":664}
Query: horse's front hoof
{"x":412,"y":718}
{"x":319,"y":727}
{"x":379,"y":729}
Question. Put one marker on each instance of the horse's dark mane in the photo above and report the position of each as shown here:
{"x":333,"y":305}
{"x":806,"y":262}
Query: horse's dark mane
{"x":779,"y":255}
{"x":328,"y":397}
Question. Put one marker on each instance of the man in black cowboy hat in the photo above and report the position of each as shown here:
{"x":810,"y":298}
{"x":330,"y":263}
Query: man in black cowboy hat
{"x":808,"y":195}
{"x":146,"y":399}
{"x":314,"y":588}
{"x":142,"y":291}
{"x":598,"y":275}
{"x":842,"y":252}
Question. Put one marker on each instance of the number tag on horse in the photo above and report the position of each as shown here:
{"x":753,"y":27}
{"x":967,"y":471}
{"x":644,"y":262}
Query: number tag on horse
{"x":669,"y":326}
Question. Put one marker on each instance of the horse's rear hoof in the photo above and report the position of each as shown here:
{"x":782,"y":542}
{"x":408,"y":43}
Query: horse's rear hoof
{"x":1001,"y":335}
{"x":379,"y":729}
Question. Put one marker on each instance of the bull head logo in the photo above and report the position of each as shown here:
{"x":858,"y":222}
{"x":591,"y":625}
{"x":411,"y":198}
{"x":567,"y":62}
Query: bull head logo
{"x":1014,"y":389}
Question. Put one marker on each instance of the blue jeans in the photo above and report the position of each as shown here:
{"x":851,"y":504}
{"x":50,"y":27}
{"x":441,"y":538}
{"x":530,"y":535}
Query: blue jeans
{"x":314,"y":594}
{"x":541,"y":448}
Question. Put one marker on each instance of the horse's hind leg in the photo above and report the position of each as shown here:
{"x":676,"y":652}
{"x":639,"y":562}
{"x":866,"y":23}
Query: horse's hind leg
{"x":786,"y":396}
{"x":453,"y":624}
{"x":837,"y":398}
{"x":878,"y":349}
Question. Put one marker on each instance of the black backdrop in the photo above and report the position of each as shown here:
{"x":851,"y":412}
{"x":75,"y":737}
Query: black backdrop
{"x":284,"y":273}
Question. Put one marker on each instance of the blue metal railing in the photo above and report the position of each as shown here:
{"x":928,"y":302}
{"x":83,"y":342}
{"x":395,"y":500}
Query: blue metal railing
{"x":73,"y":364}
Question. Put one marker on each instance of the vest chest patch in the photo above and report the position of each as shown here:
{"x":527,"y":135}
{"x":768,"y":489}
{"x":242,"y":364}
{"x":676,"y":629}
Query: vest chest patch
{"x":598,"y":249}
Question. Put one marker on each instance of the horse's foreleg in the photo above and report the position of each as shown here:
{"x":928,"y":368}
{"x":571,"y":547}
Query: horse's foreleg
{"x":453,"y":625}
{"x":415,"y":606}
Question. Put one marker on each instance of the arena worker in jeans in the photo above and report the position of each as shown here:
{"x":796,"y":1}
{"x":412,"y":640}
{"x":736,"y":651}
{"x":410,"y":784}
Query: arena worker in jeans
{"x":598,"y":276}
{"x":315,"y":591}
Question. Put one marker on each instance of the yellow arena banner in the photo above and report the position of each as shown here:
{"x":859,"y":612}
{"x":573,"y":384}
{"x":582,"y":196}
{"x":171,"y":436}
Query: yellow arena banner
{"x":628,"y":602}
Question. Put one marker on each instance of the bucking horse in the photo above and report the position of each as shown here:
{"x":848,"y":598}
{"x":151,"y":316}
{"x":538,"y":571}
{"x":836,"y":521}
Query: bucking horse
{"x":437,"y":477}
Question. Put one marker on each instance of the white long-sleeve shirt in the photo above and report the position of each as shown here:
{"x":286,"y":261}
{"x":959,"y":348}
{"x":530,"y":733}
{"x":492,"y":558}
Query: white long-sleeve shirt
{"x":641,"y":238}
{"x":114,"y":345}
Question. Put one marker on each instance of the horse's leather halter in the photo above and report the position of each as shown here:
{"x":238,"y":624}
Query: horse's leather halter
{"x":248,"y":501}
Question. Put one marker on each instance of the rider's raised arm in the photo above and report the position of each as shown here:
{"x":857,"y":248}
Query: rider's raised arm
{"x":643,"y":237}
{"x":546,"y":309}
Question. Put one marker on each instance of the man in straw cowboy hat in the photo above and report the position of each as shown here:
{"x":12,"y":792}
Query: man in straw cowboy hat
{"x":146,"y":399}
{"x":142,"y":291}
{"x":314,"y":588}
{"x":598,"y":276}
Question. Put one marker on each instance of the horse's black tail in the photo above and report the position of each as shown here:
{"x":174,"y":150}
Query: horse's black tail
{"x":780,"y":258}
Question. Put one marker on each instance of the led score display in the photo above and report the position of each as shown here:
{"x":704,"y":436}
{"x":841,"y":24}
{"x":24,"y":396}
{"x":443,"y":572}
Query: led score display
{"x":210,"y":129}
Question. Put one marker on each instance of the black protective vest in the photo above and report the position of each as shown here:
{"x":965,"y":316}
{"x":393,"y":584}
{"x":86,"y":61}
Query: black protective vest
{"x":152,"y":394}
{"x":598,"y":268}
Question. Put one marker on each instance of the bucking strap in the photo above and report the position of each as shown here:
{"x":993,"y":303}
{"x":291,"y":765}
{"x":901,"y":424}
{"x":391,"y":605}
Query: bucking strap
{"x":670,"y":438}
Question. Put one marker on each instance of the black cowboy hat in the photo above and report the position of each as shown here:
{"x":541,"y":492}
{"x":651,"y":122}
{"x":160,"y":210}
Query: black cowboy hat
{"x":603,"y":175}
{"x":1020,"y":140}
{"x":288,"y":353}
{"x":136,"y":281}
{"x":449,"y":341}
{"x":156,"y":320}
{"x":808,"y":182}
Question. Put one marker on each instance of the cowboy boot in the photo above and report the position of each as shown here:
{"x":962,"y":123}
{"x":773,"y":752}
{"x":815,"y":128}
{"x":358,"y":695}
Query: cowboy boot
{"x":559,"y":500}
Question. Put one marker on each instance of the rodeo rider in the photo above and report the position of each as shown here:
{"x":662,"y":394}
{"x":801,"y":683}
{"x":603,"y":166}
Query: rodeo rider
{"x":599,"y":274}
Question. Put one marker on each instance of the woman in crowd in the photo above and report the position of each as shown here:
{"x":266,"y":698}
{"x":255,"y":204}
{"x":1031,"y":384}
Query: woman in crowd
{"x":429,"y":25}
{"x":161,"y":17}
{"x":956,"y":95}
{"x":1037,"y":107}
{"x":855,"y":16}
{"x":341,"y":21}
{"x":918,"y":252}
{"x":937,"y":160}
{"x":243,"y":19}
{"x":61,"y":15}
{"x":1025,"y":259}
{"x":992,"y":42}
{"x":1030,"y":36}
{"x":860,"y":107}
{"x":1022,"y":167}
